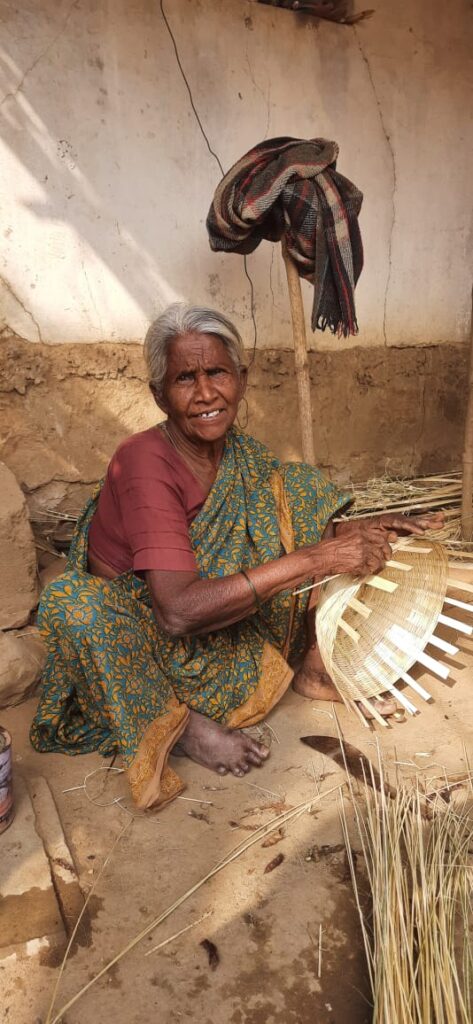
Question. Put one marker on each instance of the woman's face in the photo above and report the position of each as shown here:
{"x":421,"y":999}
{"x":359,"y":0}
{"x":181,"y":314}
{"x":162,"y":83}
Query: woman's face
{"x":202,"y":387}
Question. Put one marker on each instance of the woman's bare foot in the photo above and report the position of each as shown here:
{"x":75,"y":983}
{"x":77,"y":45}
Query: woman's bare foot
{"x":313,"y":681}
{"x":221,"y":749}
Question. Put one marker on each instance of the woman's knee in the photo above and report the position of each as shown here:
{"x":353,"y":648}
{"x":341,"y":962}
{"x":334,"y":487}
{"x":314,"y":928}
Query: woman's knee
{"x":72,"y":603}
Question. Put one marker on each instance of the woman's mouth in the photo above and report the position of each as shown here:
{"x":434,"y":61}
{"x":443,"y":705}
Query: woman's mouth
{"x":209,"y":415}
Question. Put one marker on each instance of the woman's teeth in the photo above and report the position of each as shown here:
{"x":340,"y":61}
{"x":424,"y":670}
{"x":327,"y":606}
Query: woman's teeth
{"x":209,"y":415}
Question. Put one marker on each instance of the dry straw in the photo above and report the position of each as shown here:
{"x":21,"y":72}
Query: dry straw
{"x":416,"y":929}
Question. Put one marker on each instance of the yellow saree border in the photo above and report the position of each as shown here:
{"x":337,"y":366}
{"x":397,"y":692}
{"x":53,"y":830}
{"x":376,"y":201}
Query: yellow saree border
{"x":153,"y":783}
{"x":274,"y":680}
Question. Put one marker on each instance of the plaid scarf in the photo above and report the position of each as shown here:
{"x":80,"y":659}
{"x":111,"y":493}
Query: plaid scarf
{"x":290,"y":187}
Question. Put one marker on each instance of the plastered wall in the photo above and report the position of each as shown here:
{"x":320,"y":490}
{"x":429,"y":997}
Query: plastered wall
{"x":107,"y":174}
{"x":116,"y":119}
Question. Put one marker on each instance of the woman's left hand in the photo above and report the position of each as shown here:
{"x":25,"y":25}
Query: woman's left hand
{"x":395,"y":523}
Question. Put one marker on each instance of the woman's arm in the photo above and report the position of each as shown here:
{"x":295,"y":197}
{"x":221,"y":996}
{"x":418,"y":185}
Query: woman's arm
{"x":184,"y":604}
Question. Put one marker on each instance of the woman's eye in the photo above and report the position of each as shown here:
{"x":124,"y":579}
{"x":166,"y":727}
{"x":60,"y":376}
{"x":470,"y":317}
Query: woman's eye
{"x":184,"y":377}
{"x":217,"y":372}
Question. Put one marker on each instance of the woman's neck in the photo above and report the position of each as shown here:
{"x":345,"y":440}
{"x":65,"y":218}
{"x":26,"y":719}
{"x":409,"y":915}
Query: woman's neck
{"x":202,"y":459}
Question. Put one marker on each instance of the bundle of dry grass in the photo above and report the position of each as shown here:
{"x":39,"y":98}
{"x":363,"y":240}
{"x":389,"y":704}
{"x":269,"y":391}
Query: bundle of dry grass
{"x":412,"y":497}
{"x":416,"y":931}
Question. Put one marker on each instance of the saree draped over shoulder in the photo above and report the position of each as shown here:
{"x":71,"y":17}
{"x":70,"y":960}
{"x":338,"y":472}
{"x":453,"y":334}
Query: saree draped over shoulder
{"x":115,"y":681}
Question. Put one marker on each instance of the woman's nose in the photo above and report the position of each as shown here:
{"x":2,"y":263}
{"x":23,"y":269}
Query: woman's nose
{"x":205,"y":389}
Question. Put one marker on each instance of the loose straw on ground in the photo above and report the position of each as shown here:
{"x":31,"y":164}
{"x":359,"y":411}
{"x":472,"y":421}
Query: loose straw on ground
{"x":79,"y":919}
{"x":176,"y":935}
{"x":241,"y":848}
{"x":417,"y":866}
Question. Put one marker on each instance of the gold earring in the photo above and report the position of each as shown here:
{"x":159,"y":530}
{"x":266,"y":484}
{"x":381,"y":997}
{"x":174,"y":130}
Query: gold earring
{"x":245,"y":424}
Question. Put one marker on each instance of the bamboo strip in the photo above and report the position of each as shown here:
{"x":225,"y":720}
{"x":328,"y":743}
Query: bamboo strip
{"x":401,"y":697}
{"x":442,"y":645}
{"x":406,"y":678}
{"x":349,"y":630}
{"x":402,"y":638}
{"x":454,"y":584}
{"x":354,"y":707}
{"x":373,"y":711}
{"x":359,"y":607}
{"x":373,"y":669}
{"x":403,"y":566}
{"x":412,"y":550}
{"x":379,"y":583}
{"x":459,"y":604}
{"x":386,"y":656}
{"x":461,"y":627}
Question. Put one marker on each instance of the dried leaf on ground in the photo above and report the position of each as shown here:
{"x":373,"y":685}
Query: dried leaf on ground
{"x":273,"y":839}
{"x":246,"y":828}
{"x":200,"y":816}
{"x":212,"y":953}
{"x":274,"y":863}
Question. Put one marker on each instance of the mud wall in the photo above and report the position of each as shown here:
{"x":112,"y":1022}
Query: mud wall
{"x":65,"y":408}
{"x":117,"y":120}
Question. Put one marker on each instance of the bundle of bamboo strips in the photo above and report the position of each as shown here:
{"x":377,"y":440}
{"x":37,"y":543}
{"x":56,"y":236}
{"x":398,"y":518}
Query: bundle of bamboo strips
{"x":417,"y":929}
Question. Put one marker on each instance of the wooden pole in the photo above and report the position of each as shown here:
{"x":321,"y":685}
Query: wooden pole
{"x":467,"y":481}
{"x":301,"y":356}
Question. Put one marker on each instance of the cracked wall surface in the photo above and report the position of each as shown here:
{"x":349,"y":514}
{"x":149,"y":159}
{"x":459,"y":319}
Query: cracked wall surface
{"x":117,"y":120}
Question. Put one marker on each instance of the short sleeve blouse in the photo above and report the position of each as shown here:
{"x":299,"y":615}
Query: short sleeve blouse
{"x":147,"y":503}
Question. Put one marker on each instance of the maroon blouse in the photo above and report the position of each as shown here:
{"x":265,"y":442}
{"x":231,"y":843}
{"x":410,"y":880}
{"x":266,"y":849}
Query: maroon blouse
{"x":145,"y":508}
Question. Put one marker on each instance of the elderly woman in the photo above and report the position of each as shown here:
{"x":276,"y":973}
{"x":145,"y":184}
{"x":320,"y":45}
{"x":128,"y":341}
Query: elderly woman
{"x":175,"y":624}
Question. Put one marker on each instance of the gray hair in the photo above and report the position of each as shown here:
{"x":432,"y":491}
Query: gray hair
{"x":178,"y":320}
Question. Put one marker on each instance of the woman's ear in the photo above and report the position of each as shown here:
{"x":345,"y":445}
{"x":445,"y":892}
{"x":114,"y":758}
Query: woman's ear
{"x":243,"y":380}
{"x":159,"y":399}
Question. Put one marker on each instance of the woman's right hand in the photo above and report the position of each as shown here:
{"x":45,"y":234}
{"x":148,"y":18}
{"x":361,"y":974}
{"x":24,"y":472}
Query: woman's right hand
{"x":360,"y":553}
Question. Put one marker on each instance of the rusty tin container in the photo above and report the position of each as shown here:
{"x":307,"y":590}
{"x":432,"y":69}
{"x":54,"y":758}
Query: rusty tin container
{"x":6,"y":784}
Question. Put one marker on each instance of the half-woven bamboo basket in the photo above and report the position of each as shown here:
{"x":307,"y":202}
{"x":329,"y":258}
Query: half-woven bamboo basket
{"x":371,"y":631}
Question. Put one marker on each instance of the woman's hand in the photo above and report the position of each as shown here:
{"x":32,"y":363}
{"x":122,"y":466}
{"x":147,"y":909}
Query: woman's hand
{"x":394,"y":524}
{"x":359,"y":552}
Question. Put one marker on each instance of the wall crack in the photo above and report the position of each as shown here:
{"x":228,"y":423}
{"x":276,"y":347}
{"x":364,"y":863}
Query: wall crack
{"x":189,"y":90}
{"x":13,"y":93}
{"x":22,"y":306}
{"x":213,"y":153}
{"x":390,"y":147}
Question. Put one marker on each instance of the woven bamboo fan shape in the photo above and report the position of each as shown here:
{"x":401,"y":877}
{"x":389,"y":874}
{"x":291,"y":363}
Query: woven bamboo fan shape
{"x":371,"y":632}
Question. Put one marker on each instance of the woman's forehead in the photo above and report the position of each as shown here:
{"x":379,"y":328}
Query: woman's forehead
{"x":194,"y":350}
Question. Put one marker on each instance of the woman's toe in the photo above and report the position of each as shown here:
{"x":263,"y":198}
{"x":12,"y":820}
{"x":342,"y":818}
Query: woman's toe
{"x":386,"y":705}
{"x":254,"y":759}
{"x":222,"y":770}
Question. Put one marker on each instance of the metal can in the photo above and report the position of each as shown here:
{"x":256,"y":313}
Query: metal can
{"x":6,"y":786}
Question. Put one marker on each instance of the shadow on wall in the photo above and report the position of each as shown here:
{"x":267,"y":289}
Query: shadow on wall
{"x":110,"y":173}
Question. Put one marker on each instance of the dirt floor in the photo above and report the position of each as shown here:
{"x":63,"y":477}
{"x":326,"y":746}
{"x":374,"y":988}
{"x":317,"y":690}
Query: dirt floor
{"x":266,"y":926}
